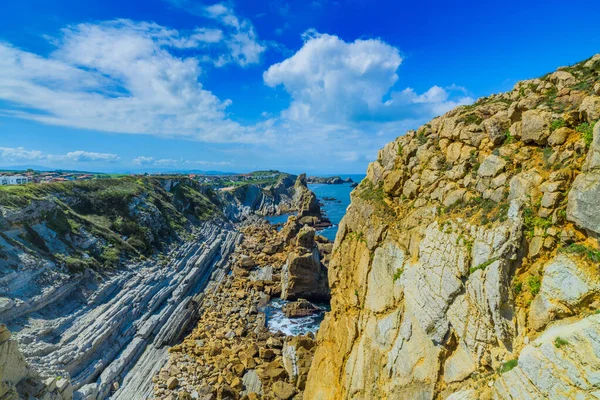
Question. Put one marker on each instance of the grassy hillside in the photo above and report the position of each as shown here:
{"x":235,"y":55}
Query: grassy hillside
{"x":100,"y":222}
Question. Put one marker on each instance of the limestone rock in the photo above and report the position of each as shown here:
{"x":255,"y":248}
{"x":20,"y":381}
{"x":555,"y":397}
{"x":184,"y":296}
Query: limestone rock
{"x":491,"y":166}
{"x":300,"y":308}
{"x":304,"y":276}
{"x":536,"y":126}
{"x":564,"y":286}
{"x":568,"y":358}
{"x":590,"y":109}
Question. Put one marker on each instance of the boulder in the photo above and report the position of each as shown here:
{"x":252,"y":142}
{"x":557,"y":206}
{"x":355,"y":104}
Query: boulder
{"x":304,"y":276}
{"x":590,"y":109}
{"x":559,"y":136}
{"x":564,"y":286}
{"x":491,"y":166}
{"x":583,"y":207}
{"x":300,"y":308}
{"x":172,"y":383}
{"x":283,"y":390}
{"x":535,"y":127}
{"x":496,"y":127}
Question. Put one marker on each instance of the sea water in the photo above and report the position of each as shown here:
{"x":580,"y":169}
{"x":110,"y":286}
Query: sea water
{"x":334,"y":208}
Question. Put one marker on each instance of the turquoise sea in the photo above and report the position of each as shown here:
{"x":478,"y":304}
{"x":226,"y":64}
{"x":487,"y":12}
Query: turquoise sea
{"x":334,"y":209}
{"x":335,"y":200}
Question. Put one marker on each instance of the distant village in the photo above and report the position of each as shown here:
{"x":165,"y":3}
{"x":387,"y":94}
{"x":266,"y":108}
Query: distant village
{"x":30,"y":176}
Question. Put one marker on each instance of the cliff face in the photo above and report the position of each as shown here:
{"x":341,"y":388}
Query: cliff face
{"x":467,"y":261}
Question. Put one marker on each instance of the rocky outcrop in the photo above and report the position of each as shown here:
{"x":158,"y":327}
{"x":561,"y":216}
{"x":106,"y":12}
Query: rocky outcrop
{"x":303,"y":274}
{"x":306,"y":202}
{"x":18,"y":380}
{"x":465,"y":267}
{"x":231,"y":354}
{"x":329,"y":180}
{"x":300,"y":308}
{"x":266,"y":199}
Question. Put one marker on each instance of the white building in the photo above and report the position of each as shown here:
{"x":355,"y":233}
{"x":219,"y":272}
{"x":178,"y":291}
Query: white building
{"x":14,"y":180}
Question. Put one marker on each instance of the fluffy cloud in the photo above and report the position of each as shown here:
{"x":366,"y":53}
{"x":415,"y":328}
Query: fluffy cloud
{"x":10,"y":154}
{"x":19,"y":153}
{"x":123,"y":76}
{"x":344,"y":102}
{"x":87,"y":156}
{"x":334,"y":81}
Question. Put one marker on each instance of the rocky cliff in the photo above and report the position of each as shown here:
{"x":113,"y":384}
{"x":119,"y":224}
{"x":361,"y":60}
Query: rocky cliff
{"x":99,"y":278}
{"x":467,"y":264}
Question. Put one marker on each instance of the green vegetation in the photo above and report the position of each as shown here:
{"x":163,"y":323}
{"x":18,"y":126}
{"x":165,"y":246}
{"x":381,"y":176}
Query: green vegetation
{"x":131,"y":216}
{"x":471,"y":118}
{"x":483,"y":265}
{"x":371,"y":193}
{"x":587,"y":132}
{"x":508,"y":138}
{"x":400,"y":150}
{"x":518,"y":287}
{"x":507,"y":366}
{"x":534,"y":284}
{"x":556,"y":124}
{"x":398,"y":274}
{"x":532,"y":221}
{"x":559,"y":342}
{"x":591,"y":254}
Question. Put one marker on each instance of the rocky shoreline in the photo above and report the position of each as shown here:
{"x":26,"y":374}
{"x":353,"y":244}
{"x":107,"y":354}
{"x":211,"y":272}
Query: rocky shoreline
{"x":231,"y":354}
{"x":328,"y":180}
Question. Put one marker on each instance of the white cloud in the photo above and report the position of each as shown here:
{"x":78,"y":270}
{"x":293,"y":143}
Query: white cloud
{"x":334,"y":81}
{"x":10,"y":154}
{"x":167,"y":162}
{"x":117,"y":76}
{"x":86,"y":156}
{"x":238,"y":35}
{"x":19,"y":153}
{"x":143,"y":160}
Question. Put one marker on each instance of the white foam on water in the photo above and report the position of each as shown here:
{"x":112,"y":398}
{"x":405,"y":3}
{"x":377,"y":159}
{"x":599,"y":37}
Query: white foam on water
{"x":277,"y":321}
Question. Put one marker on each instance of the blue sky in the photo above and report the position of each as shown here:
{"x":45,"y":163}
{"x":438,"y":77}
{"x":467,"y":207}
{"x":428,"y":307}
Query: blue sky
{"x":316,"y":86}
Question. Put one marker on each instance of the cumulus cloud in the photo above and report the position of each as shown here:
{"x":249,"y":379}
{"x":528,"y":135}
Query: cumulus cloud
{"x":123,"y":76}
{"x":331,"y":80}
{"x":10,"y":154}
{"x":344,"y":98}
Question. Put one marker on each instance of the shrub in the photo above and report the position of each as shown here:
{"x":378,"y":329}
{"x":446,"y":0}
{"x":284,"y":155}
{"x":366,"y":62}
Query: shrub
{"x":559,"y":342}
{"x":584,"y":251}
{"x":556,"y":124}
{"x":534,"y":284}
{"x":518,"y":287}
{"x":587,"y":132}
{"x":508,"y":138}
{"x":507,"y":366}
{"x":398,"y":274}
{"x":110,"y":256}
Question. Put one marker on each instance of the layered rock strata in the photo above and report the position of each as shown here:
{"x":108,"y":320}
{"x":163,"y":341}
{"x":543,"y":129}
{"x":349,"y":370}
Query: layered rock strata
{"x":466,"y":265}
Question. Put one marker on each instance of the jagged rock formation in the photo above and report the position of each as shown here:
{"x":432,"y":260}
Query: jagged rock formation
{"x":231,"y":354}
{"x":267,"y":199}
{"x":19,"y":380}
{"x":329,"y":180}
{"x":466,"y":266}
{"x":303,"y":274}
